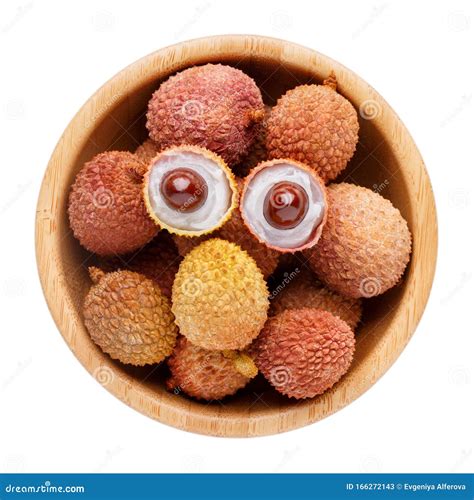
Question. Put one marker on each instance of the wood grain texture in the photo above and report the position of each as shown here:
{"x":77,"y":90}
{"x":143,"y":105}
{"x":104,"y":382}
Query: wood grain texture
{"x":113,"y":118}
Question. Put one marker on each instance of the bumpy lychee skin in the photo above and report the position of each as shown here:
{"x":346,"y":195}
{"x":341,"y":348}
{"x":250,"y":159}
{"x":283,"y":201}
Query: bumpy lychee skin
{"x":258,"y":151}
{"x":365,"y":245}
{"x":213,"y":106}
{"x":305,"y":290}
{"x":283,"y":205}
{"x":189,"y":190}
{"x":220,"y":298}
{"x":203,"y":374}
{"x":106,"y":209}
{"x":304,"y":352}
{"x":147,"y":151}
{"x":235,"y":231}
{"x":159,"y":261}
{"x":129,"y":318}
{"x":315,"y":125}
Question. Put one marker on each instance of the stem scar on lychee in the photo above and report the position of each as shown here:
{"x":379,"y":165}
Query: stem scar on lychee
{"x":189,"y":190}
{"x":284,"y":205}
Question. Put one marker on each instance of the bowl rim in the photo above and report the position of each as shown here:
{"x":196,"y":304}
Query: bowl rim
{"x":183,"y":414}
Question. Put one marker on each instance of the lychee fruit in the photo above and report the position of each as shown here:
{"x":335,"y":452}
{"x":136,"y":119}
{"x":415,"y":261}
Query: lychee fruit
{"x":315,"y":125}
{"x":305,"y":290}
{"x":258,"y":151}
{"x":106,"y":209}
{"x":283,"y":204}
{"x":304,"y":352}
{"x":220,"y":298}
{"x":365,"y":245}
{"x":204,"y":374}
{"x":159,"y":261}
{"x":213,"y":106}
{"x":235,"y":231}
{"x":147,"y":151}
{"x":129,"y":318}
{"x":189,"y":190}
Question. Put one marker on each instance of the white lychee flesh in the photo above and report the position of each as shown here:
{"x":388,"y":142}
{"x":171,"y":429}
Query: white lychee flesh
{"x":219,"y":191}
{"x":253,"y":205}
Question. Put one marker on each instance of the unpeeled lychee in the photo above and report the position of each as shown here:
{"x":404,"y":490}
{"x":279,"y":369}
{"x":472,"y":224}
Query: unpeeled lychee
{"x":365,"y":245}
{"x":304,"y":352}
{"x":213,"y":106}
{"x":305,"y":290}
{"x":159,"y":261}
{"x":220,"y":298}
{"x":129,"y":318}
{"x":315,"y":125}
{"x":147,"y":151}
{"x":106,"y":210}
{"x":204,"y":374}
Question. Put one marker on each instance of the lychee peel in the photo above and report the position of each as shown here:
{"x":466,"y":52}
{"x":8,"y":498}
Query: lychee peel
{"x":220,"y":298}
{"x":315,"y":125}
{"x":106,"y":210}
{"x":365,"y":246}
{"x":221,"y":191}
{"x":305,"y":290}
{"x":129,"y":318}
{"x":203,"y":374}
{"x":304,"y":352}
{"x":213,"y":106}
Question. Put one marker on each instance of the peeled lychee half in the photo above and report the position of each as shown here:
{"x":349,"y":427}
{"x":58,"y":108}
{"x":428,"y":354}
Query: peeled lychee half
{"x":303,"y":289}
{"x":304,"y":352}
{"x":315,"y":125}
{"x":106,"y":209}
{"x":364,"y":247}
{"x":129,"y":318}
{"x":235,"y":231}
{"x":213,"y":106}
{"x":189,"y":190}
{"x":283,"y":204}
{"x":208,"y":375}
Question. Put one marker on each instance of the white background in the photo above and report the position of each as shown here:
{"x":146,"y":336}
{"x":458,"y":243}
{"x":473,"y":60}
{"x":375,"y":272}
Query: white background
{"x":55,"y":417}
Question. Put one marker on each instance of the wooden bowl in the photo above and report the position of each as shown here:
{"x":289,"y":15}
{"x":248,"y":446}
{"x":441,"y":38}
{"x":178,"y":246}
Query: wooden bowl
{"x":386,"y":160}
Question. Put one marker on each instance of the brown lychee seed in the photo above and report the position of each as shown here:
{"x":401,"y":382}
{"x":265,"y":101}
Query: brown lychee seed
{"x":106,"y":210}
{"x":301,"y":288}
{"x":147,"y":150}
{"x":283,"y":204}
{"x":213,"y":106}
{"x":304,"y":352}
{"x":235,"y":231}
{"x":189,"y":190}
{"x":365,"y":245}
{"x":184,"y":189}
{"x":129,"y":318}
{"x":316,"y":125}
{"x":204,"y":374}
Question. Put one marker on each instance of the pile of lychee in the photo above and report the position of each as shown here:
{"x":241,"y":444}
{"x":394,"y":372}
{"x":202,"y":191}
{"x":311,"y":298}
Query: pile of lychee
{"x":193,"y":233}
